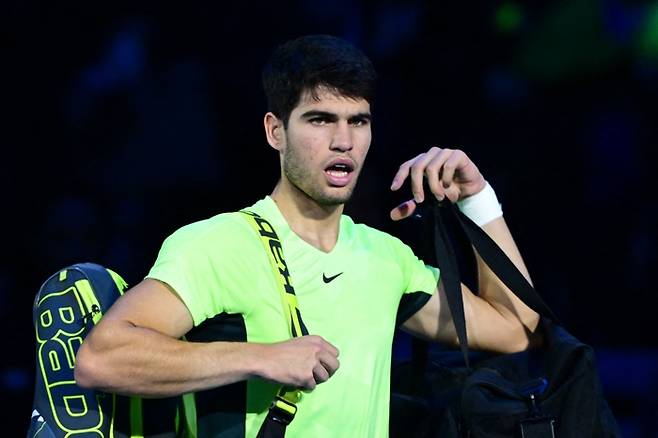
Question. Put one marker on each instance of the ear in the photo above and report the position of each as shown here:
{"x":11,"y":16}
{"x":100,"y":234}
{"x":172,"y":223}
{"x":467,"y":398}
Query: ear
{"x":274,"y":131}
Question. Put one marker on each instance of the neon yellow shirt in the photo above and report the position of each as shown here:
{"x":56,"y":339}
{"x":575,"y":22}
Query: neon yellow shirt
{"x":220,"y":270}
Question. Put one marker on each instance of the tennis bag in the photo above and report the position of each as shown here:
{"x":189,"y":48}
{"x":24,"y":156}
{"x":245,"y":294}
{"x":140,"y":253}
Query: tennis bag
{"x":65,"y":309}
{"x":546,"y":392}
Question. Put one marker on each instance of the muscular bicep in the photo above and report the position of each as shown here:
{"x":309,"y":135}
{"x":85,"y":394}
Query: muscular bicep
{"x":488,"y":328}
{"x":433,"y":321}
{"x":152,"y":304}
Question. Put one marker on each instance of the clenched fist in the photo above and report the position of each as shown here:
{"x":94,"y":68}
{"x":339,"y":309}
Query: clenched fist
{"x":302,"y":362}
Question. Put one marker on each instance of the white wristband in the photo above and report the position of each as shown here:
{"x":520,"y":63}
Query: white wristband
{"x":483,"y":207}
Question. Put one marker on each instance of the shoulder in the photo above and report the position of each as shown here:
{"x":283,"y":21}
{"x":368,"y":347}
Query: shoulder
{"x":221,"y":229}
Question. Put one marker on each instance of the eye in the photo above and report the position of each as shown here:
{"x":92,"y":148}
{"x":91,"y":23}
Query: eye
{"x":319,"y":121}
{"x":361,"y":121}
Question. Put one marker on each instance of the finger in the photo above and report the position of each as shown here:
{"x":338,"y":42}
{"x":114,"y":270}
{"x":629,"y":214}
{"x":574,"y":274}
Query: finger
{"x":450,"y":166}
{"x":320,"y":374}
{"x":328,"y":347}
{"x":310,"y":383}
{"x":402,"y":173}
{"x":330,"y":363}
{"x":334,"y":351}
{"x":453,"y":193}
{"x":418,"y":172}
{"x":434,"y":170}
{"x":403,"y":210}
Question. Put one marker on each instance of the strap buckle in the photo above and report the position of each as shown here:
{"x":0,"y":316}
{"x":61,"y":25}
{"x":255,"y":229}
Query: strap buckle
{"x":282,"y":411}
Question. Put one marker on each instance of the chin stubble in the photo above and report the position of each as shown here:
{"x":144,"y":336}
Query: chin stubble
{"x":300,"y":177}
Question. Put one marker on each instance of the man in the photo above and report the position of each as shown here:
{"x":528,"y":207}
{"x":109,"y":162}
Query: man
{"x":212,"y":280}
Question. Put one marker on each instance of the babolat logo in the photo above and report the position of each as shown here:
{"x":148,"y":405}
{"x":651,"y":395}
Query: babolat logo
{"x":272,"y":244}
{"x":266,"y":230}
{"x":60,"y":327}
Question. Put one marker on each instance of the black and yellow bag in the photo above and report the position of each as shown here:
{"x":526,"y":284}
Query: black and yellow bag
{"x":65,"y":309}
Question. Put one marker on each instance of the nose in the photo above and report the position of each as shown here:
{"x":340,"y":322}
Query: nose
{"x":342,"y":139}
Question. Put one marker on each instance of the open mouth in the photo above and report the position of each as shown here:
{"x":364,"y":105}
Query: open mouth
{"x":339,"y":172}
{"x":339,"y":169}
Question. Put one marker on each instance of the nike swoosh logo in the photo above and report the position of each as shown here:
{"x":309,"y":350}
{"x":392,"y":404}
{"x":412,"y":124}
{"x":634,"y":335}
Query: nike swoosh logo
{"x":330,"y":279}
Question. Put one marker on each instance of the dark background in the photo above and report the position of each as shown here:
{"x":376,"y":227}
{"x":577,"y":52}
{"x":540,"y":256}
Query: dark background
{"x":123,"y":123}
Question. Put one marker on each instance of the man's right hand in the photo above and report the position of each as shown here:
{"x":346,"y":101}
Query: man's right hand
{"x":302,"y":362}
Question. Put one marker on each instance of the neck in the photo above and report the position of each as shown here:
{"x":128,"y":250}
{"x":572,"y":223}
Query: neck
{"x":315,"y":223}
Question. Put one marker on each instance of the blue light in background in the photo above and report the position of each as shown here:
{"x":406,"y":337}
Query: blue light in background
{"x":15,"y":379}
{"x":122,"y":62}
{"x":504,"y":87}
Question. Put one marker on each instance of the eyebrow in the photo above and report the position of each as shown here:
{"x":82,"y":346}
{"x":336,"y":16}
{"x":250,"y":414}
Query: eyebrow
{"x":332,"y":116}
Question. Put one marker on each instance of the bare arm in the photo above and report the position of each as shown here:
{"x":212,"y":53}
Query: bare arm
{"x":496,"y":319}
{"x":135,"y":349}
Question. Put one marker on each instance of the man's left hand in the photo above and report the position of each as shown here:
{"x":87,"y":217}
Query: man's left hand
{"x":449,"y":172}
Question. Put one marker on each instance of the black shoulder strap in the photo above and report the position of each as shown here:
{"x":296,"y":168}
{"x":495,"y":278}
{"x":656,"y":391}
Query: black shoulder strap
{"x":447,"y":263}
{"x":448,"y":219}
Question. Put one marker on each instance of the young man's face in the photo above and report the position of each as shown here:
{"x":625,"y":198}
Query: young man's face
{"x":326,"y":142}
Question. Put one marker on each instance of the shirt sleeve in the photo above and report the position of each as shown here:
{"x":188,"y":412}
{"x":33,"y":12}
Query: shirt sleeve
{"x":185,"y":264}
{"x":420,"y":279}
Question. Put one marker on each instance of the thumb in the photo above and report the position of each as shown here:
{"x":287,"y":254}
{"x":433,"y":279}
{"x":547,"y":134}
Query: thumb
{"x":403,"y":210}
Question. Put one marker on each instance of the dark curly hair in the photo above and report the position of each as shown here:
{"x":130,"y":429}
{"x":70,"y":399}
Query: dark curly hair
{"x":314,"y":61}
